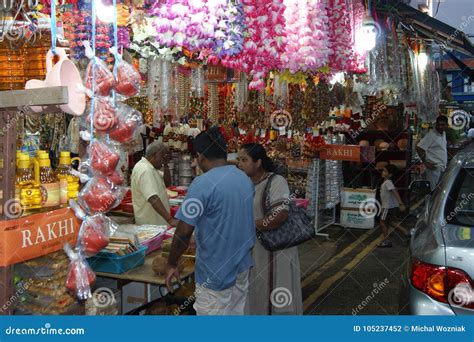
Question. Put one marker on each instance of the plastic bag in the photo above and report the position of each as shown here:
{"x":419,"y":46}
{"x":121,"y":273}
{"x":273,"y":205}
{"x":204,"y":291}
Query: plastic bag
{"x":116,"y":177}
{"x":80,"y":277}
{"x":105,"y":116}
{"x":104,"y":79}
{"x":95,"y":231}
{"x":127,"y":82}
{"x":103,"y":158}
{"x":129,"y":121}
{"x":100,"y":195}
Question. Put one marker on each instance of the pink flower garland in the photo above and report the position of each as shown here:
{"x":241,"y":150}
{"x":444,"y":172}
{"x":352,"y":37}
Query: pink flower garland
{"x":307,"y":33}
{"x":265,"y":42}
{"x":340,"y":35}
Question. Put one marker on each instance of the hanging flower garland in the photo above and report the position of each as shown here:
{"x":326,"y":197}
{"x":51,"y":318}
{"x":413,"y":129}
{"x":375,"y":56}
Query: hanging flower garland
{"x":307,"y":48}
{"x":211,"y":26}
{"x":186,"y":23}
{"x":265,"y":41}
{"x":229,"y":35}
{"x":340,"y":34}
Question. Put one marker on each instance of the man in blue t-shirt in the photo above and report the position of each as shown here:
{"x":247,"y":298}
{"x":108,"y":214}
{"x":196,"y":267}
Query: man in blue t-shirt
{"x":219,"y":208}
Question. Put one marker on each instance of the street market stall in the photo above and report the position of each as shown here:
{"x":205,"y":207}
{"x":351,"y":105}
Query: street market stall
{"x":334,"y":90}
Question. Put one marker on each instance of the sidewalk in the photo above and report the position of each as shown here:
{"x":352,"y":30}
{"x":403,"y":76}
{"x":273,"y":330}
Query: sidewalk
{"x":347,"y":274}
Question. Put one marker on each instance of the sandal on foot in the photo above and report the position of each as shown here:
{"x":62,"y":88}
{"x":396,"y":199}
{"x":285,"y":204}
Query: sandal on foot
{"x":385,"y":244}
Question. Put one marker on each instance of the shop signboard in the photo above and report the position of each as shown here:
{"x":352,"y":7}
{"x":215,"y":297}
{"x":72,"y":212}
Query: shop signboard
{"x":36,"y":235}
{"x":354,"y":153}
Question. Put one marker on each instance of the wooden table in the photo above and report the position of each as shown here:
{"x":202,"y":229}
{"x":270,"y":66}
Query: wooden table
{"x":145,"y":274}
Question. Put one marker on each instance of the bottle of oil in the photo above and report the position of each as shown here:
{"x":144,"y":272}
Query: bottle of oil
{"x":35,"y":163}
{"x":29,"y":193}
{"x":49,"y":183}
{"x":18,"y":154}
{"x":68,"y":184}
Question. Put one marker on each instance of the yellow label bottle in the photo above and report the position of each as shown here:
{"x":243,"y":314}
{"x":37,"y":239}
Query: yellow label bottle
{"x":35,"y":163}
{"x":29,"y":193}
{"x":68,"y":184}
{"x":49,"y":183}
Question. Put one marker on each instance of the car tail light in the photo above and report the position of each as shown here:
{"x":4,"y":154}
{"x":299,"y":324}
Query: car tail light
{"x":444,"y":284}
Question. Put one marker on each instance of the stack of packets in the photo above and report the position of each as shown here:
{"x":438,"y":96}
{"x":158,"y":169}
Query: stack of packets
{"x":120,"y":246}
{"x":40,"y":286}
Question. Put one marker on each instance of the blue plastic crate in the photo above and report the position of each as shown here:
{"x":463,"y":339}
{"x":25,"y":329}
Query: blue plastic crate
{"x":113,"y":263}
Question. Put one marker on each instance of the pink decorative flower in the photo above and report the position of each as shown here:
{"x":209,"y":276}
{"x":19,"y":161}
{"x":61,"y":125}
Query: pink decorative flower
{"x":265,"y":41}
{"x":306,"y":25}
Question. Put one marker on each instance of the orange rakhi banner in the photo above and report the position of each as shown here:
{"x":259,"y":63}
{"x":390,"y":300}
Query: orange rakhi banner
{"x":341,"y":152}
{"x":37,"y":235}
{"x":352,"y":153}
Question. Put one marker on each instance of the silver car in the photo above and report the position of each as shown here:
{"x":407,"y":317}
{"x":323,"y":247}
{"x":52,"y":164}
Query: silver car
{"x":441,"y":267}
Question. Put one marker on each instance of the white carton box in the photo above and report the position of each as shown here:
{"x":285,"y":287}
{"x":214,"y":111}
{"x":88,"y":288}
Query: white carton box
{"x":354,"y":198}
{"x":354,"y":218}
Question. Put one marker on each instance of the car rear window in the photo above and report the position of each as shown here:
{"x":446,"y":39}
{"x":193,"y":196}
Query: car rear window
{"x":460,"y":205}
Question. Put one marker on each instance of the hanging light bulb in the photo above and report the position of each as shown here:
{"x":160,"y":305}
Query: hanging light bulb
{"x":105,"y":13}
{"x":422,"y":58}
{"x":370,"y":31}
{"x":338,"y":78}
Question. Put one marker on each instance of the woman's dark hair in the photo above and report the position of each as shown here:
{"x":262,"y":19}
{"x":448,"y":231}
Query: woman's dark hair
{"x":442,"y":118}
{"x":256,"y":152}
{"x":211,"y":144}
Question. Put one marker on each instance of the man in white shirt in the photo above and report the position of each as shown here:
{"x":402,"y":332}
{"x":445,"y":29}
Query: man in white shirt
{"x":149,"y":195}
{"x":433,"y":151}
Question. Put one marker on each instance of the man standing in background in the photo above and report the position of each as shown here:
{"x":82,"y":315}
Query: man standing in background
{"x":433,"y":151}
{"x":149,"y":195}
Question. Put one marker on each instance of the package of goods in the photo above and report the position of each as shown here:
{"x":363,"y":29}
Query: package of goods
{"x":128,"y":123}
{"x":105,"y":115}
{"x":355,"y":198}
{"x":80,"y":277}
{"x":43,"y":267}
{"x":149,"y":236}
{"x":95,"y":233}
{"x":355,"y":218}
{"x":99,"y":78}
{"x":100,"y":195}
{"x":104,"y":159}
{"x":127,"y":82}
{"x":40,"y":286}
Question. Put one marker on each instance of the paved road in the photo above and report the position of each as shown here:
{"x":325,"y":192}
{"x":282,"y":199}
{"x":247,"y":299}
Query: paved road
{"x":347,"y":274}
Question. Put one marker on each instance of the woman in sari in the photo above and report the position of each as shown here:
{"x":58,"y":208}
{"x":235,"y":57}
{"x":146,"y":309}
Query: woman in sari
{"x":275,"y":285}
